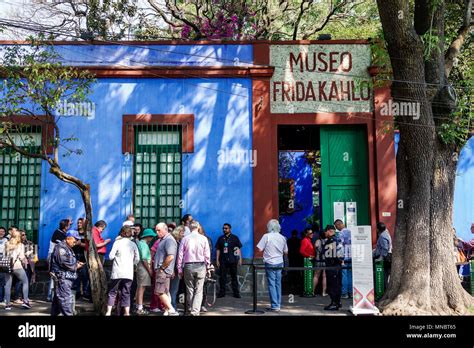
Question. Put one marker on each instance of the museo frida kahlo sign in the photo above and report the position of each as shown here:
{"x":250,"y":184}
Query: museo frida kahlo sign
{"x":320,"y":78}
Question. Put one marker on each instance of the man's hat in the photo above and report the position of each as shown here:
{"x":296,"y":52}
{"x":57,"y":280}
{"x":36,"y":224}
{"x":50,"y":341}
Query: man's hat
{"x":148,"y":233}
{"x":329,"y":227}
{"x":73,"y":233}
{"x":127,"y":223}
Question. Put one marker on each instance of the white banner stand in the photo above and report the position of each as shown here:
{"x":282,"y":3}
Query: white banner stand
{"x":363,"y":300}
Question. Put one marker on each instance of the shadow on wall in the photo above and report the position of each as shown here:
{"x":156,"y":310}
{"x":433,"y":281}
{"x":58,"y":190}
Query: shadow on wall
{"x":214,"y":191}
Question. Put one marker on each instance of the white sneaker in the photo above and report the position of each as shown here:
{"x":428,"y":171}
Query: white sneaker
{"x":172,"y":313}
{"x":155,"y":310}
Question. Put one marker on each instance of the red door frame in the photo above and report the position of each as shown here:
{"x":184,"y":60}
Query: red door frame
{"x":381,"y":147}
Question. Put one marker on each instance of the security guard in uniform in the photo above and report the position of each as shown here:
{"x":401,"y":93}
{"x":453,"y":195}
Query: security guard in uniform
{"x":63,"y":266}
{"x":333,"y":254}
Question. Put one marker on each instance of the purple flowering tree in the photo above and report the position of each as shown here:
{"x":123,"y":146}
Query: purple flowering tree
{"x":241,"y":19}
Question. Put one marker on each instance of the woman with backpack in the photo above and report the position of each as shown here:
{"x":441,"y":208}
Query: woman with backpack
{"x":15,"y":251}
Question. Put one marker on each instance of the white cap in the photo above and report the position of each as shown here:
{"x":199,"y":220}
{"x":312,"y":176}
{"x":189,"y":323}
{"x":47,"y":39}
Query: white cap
{"x":127,"y":223}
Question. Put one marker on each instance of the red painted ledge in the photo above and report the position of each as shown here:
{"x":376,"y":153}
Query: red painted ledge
{"x":179,"y":71}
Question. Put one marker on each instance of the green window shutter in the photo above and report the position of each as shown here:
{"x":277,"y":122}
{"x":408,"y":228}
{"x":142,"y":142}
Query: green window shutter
{"x":20,"y":182}
{"x":344,"y":168}
{"x":157,"y":174}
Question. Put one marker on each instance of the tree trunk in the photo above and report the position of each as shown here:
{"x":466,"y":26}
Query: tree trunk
{"x":98,"y":280}
{"x":447,"y":295}
{"x":424,"y":278}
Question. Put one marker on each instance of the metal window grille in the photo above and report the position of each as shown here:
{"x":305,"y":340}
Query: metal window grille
{"x":157,"y":174}
{"x":20,"y":183}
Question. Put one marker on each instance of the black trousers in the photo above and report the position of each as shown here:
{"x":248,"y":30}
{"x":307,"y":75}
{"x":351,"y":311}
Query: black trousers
{"x":225,"y":268}
{"x":334,"y":285}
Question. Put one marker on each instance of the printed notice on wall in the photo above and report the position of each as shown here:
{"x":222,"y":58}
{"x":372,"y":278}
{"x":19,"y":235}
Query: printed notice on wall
{"x":320,"y":78}
{"x":339,"y":211}
{"x":362,"y":271}
{"x":351,"y":214}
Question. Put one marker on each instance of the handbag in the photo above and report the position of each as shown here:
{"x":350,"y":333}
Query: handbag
{"x":6,"y":264}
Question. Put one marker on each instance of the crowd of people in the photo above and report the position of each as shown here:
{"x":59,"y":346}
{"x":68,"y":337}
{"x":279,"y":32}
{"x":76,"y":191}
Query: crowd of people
{"x":21,"y":267}
{"x":176,"y":264}
{"x":169,"y":259}
{"x":329,"y":252}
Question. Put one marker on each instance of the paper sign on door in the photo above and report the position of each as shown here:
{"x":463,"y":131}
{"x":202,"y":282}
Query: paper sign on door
{"x":339,"y":211}
{"x":351,"y":214}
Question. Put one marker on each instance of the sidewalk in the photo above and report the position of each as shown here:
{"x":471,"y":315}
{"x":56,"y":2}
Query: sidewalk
{"x":227,"y":306}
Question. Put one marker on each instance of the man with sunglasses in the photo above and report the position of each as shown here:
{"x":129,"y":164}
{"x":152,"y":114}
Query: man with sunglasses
{"x":228,"y":255}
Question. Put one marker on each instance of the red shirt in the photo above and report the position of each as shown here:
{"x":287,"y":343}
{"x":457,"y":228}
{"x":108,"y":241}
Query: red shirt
{"x":307,"y":248}
{"x":98,"y":240}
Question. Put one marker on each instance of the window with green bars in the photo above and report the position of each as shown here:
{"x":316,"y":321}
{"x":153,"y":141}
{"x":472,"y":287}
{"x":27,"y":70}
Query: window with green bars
{"x":157,"y":174}
{"x":20,"y":183}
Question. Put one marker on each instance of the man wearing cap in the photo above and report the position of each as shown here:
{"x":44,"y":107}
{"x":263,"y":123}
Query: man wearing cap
{"x":63,"y":266}
{"x":144,"y":271}
{"x":333,"y":254}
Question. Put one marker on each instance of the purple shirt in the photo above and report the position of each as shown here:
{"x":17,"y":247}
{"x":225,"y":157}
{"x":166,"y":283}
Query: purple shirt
{"x":193,"y":248}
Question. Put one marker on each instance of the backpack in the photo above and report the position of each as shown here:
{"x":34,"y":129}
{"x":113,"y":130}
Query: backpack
{"x":6,"y":264}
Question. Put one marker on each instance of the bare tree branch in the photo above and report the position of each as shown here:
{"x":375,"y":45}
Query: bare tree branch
{"x":326,"y":20}
{"x":298,"y":19}
{"x":11,"y":144}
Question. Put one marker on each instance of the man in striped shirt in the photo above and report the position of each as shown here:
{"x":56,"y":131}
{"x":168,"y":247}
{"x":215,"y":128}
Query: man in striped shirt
{"x":194,"y":258}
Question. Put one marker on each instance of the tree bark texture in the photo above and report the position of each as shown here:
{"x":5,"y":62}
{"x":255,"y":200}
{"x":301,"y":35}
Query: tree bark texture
{"x":98,"y":279}
{"x":97,"y":275}
{"x":424,"y":280}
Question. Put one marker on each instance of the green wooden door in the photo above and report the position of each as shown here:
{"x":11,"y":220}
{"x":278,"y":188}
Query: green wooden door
{"x":344,"y":171}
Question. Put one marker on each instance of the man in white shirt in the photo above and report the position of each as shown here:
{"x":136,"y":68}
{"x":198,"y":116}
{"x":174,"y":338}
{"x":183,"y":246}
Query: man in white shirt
{"x":274,"y":246}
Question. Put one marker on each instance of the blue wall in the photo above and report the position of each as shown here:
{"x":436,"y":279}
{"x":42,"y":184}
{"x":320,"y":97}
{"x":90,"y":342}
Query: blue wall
{"x":463,"y":215}
{"x":464,"y":192}
{"x":213,"y":192}
{"x":301,"y":172}
{"x":167,"y":55}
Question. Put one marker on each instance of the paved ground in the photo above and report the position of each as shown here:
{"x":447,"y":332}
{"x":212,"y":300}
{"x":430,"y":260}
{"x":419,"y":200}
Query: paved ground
{"x":224,"y":306}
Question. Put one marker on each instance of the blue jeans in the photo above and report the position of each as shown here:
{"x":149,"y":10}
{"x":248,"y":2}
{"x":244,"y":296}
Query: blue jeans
{"x":274,"y":284}
{"x":20,"y":274}
{"x":174,"y":287}
{"x":19,"y":285}
{"x":347,"y":281}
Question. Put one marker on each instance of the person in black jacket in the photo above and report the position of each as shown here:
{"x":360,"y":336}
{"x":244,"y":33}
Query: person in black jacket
{"x":333,"y":254}
{"x":228,"y":255}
